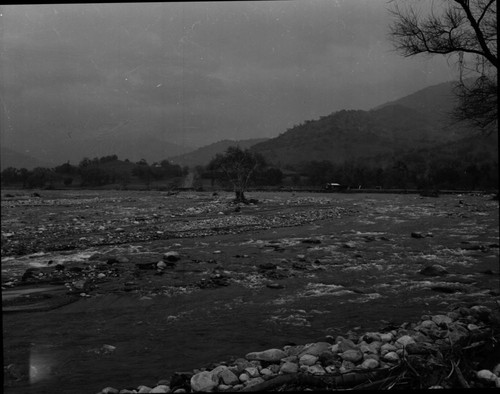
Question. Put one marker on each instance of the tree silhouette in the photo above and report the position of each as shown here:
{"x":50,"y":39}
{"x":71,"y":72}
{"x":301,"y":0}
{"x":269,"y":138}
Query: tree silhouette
{"x":465,"y":28}
{"x":237,"y":165}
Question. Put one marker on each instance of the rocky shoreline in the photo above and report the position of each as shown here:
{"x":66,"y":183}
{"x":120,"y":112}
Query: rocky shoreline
{"x":458,"y":349}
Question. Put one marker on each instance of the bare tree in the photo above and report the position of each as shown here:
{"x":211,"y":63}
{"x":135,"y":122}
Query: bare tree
{"x":238,"y":166}
{"x":465,"y":28}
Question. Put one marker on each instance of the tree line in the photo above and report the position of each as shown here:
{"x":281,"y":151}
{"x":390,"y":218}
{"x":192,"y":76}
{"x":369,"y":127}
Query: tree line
{"x":107,"y":170}
{"x":242,"y":169}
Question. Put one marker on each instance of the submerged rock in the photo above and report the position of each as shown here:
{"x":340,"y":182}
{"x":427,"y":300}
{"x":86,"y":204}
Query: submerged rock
{"x":434,"y":270}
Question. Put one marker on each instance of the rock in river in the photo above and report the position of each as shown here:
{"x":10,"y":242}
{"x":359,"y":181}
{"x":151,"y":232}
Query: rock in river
{"x":171,"y":256}
{"x":434,"y":270}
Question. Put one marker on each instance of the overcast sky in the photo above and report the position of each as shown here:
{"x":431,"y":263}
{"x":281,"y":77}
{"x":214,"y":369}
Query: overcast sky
{"x":196,"y":73}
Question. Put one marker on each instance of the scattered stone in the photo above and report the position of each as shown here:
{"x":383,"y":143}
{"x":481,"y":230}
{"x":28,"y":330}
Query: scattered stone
{"x":417,"y":234}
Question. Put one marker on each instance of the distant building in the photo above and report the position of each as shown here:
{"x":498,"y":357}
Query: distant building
{"x":333,"y":186}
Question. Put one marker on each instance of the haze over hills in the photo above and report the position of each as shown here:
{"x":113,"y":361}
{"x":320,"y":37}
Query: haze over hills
{"x":203,"y":155}
{"x":71,"y":149}
{"x":419,"y":120}
{"x":11,"y":158}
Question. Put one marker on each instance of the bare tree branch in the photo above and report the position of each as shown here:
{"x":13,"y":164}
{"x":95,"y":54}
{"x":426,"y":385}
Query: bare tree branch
{"x":454,"y":27}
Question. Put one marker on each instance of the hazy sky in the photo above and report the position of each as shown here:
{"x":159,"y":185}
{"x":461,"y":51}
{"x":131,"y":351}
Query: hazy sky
{"x":196,"y":73}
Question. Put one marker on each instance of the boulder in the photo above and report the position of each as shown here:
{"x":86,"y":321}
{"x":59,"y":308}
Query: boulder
{"x":289,"y":367}
{"x":486,"y":375}
{"x":327,"y":358}
{"x":386,"y":337}
{"x":241,"y":364}
{"x":457,"y":333}
{"x":266,"y":372}
{"x":442,"y":320}
{"x":228,"y":377}
{"x":316,"y":348}
{"x":308,"y":359}
{"x":370,"y":363}
{"x":391,"y":357}
{"x":204,"y":381}
{"x":254,"y":381}
{"x":352,"y":355}
{"x":244,"y":377}
{"x":345,"y":344}
{"x":253,"y":372}
{"x":316,"y":370}
{"x":269,"y":355}
{"x":481,"y":313}
{"x":218,"y":370}
{"x":404,"y":341}
{"x":160,"y":389}
{"x":171,"y":256}
{"x":371,"y":336}
{"x":294,"y":350}
{"x":346,"y":366}
{"x":387,"y":348}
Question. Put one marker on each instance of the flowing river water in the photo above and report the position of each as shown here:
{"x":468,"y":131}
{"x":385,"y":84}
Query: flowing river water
{"x":359,"y":271}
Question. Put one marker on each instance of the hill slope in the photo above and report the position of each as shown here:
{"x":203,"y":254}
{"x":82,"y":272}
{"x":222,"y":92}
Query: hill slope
{"x":419,"y":120}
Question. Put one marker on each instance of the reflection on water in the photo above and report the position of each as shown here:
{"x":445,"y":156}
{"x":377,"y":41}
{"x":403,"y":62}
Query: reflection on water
{"x":40,"y":367}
